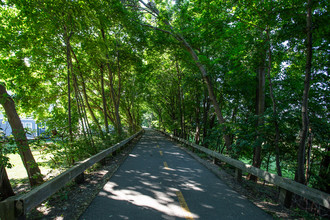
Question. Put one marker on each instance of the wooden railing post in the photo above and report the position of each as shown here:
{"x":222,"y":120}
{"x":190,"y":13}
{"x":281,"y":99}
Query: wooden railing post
{"x":80,"y":178}
{"x":285,"y":197}
{"x":114,"y":153}
{"x":103,"y":162}
{"x":238,"y":175}
{"x":216,"y":161}
{"x":7,"y":209}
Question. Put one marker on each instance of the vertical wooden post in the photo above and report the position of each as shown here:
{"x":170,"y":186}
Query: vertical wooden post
{"x":103,"y":162}
{"x":80,"y":178}
{"x":238,"y":175}
{"x":216,"y":161}
{"x":7,"y":209}
{"x":285,"y":197}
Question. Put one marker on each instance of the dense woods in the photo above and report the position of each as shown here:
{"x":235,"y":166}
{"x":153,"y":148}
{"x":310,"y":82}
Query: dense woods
{"x":245,"y":78}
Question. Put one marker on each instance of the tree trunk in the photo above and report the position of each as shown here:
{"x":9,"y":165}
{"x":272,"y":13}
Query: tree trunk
{"x":115,"y":98}
{"x":83,"y":114}
{"x":69,"y":70}
{"x":85,"y":94}
{"x":104,"y":100}
{"x":90,"y":110}
{"x":260,"y":111}
{"x":197,"y":112}
{"x":308,"y":161}
{"x":206,"y":108}
{"x":5,"y":188}
{"x":210,"y":89}
{"x":180,"y":100}
{"x":277,"y":130}
{"x":324,"y":174}
{"x":18,"y":132}
{"x":300,"y":176}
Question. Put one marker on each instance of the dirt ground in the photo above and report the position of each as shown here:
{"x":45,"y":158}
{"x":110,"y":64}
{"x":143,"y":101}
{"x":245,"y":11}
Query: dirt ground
{"x":71,"y":201}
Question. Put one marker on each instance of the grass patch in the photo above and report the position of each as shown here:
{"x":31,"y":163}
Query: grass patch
{"x":18,"y":175}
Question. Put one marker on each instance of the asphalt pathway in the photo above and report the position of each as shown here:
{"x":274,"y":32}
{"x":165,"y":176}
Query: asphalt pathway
{"x":160,"y":181}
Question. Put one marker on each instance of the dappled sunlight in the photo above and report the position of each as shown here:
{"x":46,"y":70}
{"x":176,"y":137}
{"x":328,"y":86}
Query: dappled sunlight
{"x":239,"y":205}
{"x":167,"y":168}
{"x":207,"y":206}
{"x":191,"y":185}
{"x":162,"y":202}
{"x":159,"y":181}
{"x":150,"y":185}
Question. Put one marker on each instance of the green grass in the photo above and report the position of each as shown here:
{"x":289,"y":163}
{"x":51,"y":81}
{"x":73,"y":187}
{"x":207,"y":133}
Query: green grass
{"x":17,"y":174}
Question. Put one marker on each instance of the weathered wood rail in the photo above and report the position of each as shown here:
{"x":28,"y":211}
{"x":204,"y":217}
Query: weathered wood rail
{"x":287,"y":186}
{"x":16,"y":207}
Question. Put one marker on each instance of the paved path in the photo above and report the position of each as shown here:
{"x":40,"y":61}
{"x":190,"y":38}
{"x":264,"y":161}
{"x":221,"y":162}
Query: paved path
{"x":160,"y":181}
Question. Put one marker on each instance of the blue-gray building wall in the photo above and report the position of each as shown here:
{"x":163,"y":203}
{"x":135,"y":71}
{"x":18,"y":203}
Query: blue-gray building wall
{"x":27,"y":123}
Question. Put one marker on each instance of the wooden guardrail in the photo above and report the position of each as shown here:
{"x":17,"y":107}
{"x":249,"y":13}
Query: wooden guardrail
{"x":287,"y":186}
{"x":17,"y":206}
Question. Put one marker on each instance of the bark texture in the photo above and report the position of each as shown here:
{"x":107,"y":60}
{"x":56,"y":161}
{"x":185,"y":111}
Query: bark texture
{"x":300,"y":175}
{"x":260,"y":108}
{"x":18,"y":132}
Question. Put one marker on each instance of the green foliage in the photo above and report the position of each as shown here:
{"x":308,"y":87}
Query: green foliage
{"x":151,"y":79}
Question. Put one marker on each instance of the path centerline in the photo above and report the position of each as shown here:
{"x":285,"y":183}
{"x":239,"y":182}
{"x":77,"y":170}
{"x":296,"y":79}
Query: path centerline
{"x":146,"y":187}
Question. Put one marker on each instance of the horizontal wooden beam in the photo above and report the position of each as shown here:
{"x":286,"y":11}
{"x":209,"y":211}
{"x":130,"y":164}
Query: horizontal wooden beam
{"x":24,"y":203}
{"x":314,"y":195}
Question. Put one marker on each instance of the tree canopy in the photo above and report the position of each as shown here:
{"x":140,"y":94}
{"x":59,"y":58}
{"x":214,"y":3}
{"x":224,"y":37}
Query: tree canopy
{"x":245,"y":78}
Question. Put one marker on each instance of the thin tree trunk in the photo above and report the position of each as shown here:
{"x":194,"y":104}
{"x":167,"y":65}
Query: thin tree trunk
{"x":309,"y":152}
{"x":83,"y":115}
{"x":183,"y":115}
{"x":18,"y":132}
{"x":89,"y":107}
{"x":206,"y":108}
{"x":260,"y":111}
{"x":197,"y":112}
{"x":277,"y":130}
{"x":85,"y":94}
{"x":69,"y":70}
{"x":300,"y":175}
{"x":79,"y":107}
{"x":117,"y":99}
{"x":210,"y":89}
{"x":324,"y":170}
{"x":104,"y":100}
{"x":180,"y":99}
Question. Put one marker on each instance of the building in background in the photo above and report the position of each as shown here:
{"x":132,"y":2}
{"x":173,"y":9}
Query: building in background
{"x":33,"y":129}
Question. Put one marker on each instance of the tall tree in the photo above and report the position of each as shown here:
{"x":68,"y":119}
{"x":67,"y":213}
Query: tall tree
{"x":300,"y":177}
{"x":30,"y":164}
{"x":274,"y":107}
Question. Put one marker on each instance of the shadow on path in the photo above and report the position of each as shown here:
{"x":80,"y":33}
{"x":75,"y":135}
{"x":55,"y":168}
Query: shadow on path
{"x":149,"y":183}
